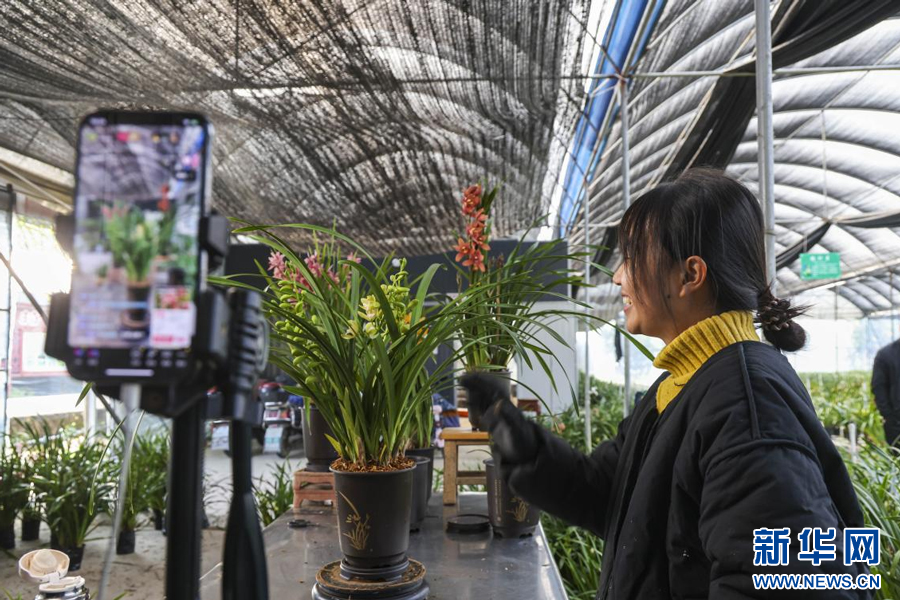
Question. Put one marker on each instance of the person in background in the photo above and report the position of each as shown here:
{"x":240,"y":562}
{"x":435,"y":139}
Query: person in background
{"x":724,"y":445}
{"x":886,"y":389}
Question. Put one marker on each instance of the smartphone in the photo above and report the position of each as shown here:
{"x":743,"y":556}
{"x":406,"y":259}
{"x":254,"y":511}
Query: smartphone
{"x":142,"y":181}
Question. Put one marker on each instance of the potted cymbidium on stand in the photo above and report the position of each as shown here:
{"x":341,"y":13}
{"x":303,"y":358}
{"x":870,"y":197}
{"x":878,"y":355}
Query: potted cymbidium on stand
{"x":520,"y":294}
{"x":356,"y":335}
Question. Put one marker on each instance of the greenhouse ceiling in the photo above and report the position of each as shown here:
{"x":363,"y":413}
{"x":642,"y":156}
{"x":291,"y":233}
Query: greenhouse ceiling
{"x":373,"y":115}
{"x":836,"y":105}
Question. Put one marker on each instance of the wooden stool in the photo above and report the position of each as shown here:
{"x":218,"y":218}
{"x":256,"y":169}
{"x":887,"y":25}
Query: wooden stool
{"x":454,"y":437}
{"x":310,"y":485}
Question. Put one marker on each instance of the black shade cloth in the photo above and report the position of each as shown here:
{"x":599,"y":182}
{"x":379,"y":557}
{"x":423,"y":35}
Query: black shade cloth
{"x":788,"y":256}
{"x":800,"y":30}
{"x":369,"y":115}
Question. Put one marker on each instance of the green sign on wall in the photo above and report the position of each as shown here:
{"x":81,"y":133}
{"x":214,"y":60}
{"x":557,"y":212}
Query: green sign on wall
{"x":820,"y":265}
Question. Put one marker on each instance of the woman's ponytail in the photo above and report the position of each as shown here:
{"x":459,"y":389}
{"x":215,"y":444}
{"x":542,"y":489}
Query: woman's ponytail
{"x":776,"y":317}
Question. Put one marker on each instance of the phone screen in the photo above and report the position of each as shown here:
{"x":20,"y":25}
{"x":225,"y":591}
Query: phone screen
{"x":138,"y":203}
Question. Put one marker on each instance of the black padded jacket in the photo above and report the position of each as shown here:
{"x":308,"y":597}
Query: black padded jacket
{"x":676,"y":496}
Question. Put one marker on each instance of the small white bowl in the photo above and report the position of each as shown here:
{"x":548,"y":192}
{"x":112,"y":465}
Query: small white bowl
{"x":43,"y":566}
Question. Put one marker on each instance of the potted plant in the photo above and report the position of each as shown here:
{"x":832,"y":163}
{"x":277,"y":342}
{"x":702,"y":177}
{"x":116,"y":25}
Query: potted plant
{"x":140,"y":249}
{"x":13,"y":493}
{"x":32,"y":511}
{"x":505,"y":291}
{"x":36,"y":451}
{"x":74,"y":485}
{"x":356,"y":340}
{"x":144,"y":482}
{"x":154,"y":450}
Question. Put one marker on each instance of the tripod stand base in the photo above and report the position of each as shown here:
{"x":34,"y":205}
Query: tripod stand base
{"x":330,"y":585}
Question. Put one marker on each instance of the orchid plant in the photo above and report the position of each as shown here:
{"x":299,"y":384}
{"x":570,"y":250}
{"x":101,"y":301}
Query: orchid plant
{"x":504,"y":291}
{"x":356,"y":338}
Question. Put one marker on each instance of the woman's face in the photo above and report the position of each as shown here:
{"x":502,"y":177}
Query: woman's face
{"x":645,"y":310}
{"x":682,"y":299}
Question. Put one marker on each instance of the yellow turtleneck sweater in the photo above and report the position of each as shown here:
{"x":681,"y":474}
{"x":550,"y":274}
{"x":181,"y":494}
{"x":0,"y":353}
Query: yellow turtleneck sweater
{"x":695,"y":345}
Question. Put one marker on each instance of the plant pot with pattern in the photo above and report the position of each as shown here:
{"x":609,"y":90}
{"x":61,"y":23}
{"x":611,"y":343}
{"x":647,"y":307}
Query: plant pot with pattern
{"x":510,"y":515}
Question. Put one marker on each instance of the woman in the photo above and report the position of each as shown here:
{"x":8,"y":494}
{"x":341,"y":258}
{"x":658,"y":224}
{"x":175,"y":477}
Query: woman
{"x":727,"y":441}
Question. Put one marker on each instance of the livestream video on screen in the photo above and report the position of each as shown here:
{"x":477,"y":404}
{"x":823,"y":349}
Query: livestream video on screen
{"x":138,"y":209}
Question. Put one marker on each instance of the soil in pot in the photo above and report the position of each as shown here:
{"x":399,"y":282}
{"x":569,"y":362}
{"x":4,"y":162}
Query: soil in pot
{"x":125,"y":542}
{"x":137,"y":318}
{"x":429,"y":454}
{"x":8,"y":537}
{"x":319,"y":451}
{"x":419,"y":493}
{"x":31,"y":529}
{"x":373,"y":510}
{"x":510,"y":515}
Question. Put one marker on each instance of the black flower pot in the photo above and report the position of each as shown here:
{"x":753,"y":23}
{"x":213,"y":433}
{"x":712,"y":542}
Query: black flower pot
{"x":373,"y":511}
{"x":159,"y":519}
{"x":125,"y":543}
{"x":319,"y":451}
{"x":76,"y":555}
{"x":510,"y":516}
{"x":474,"y":418}
{"x":419,"y":492}
{"x":8,"y":537}
{"x":429,"y":454}
{"x":31,"y":529}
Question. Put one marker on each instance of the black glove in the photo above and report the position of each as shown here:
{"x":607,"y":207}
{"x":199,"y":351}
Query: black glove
{"x":483,"y":391}
{"x":513,"y":437}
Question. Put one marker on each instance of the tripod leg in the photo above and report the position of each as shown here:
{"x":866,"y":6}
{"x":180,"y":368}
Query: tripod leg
{"x":244,"y":575}
{"x":184,"y":505}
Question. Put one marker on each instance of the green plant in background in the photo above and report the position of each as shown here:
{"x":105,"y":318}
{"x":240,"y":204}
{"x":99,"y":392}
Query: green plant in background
{"x":844,"y":398}
{"x":577,"y":554}
{"x":876,"y":476}
{"x":422,"y":426}
{"x":72,"y":487}
{"x":14,"y":489}
{"x":275,"y":494}
{"x":39,"y":448}
{"x":153,"y":452}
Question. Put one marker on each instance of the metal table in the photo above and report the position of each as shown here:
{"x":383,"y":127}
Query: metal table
{"x":458,"y":566}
